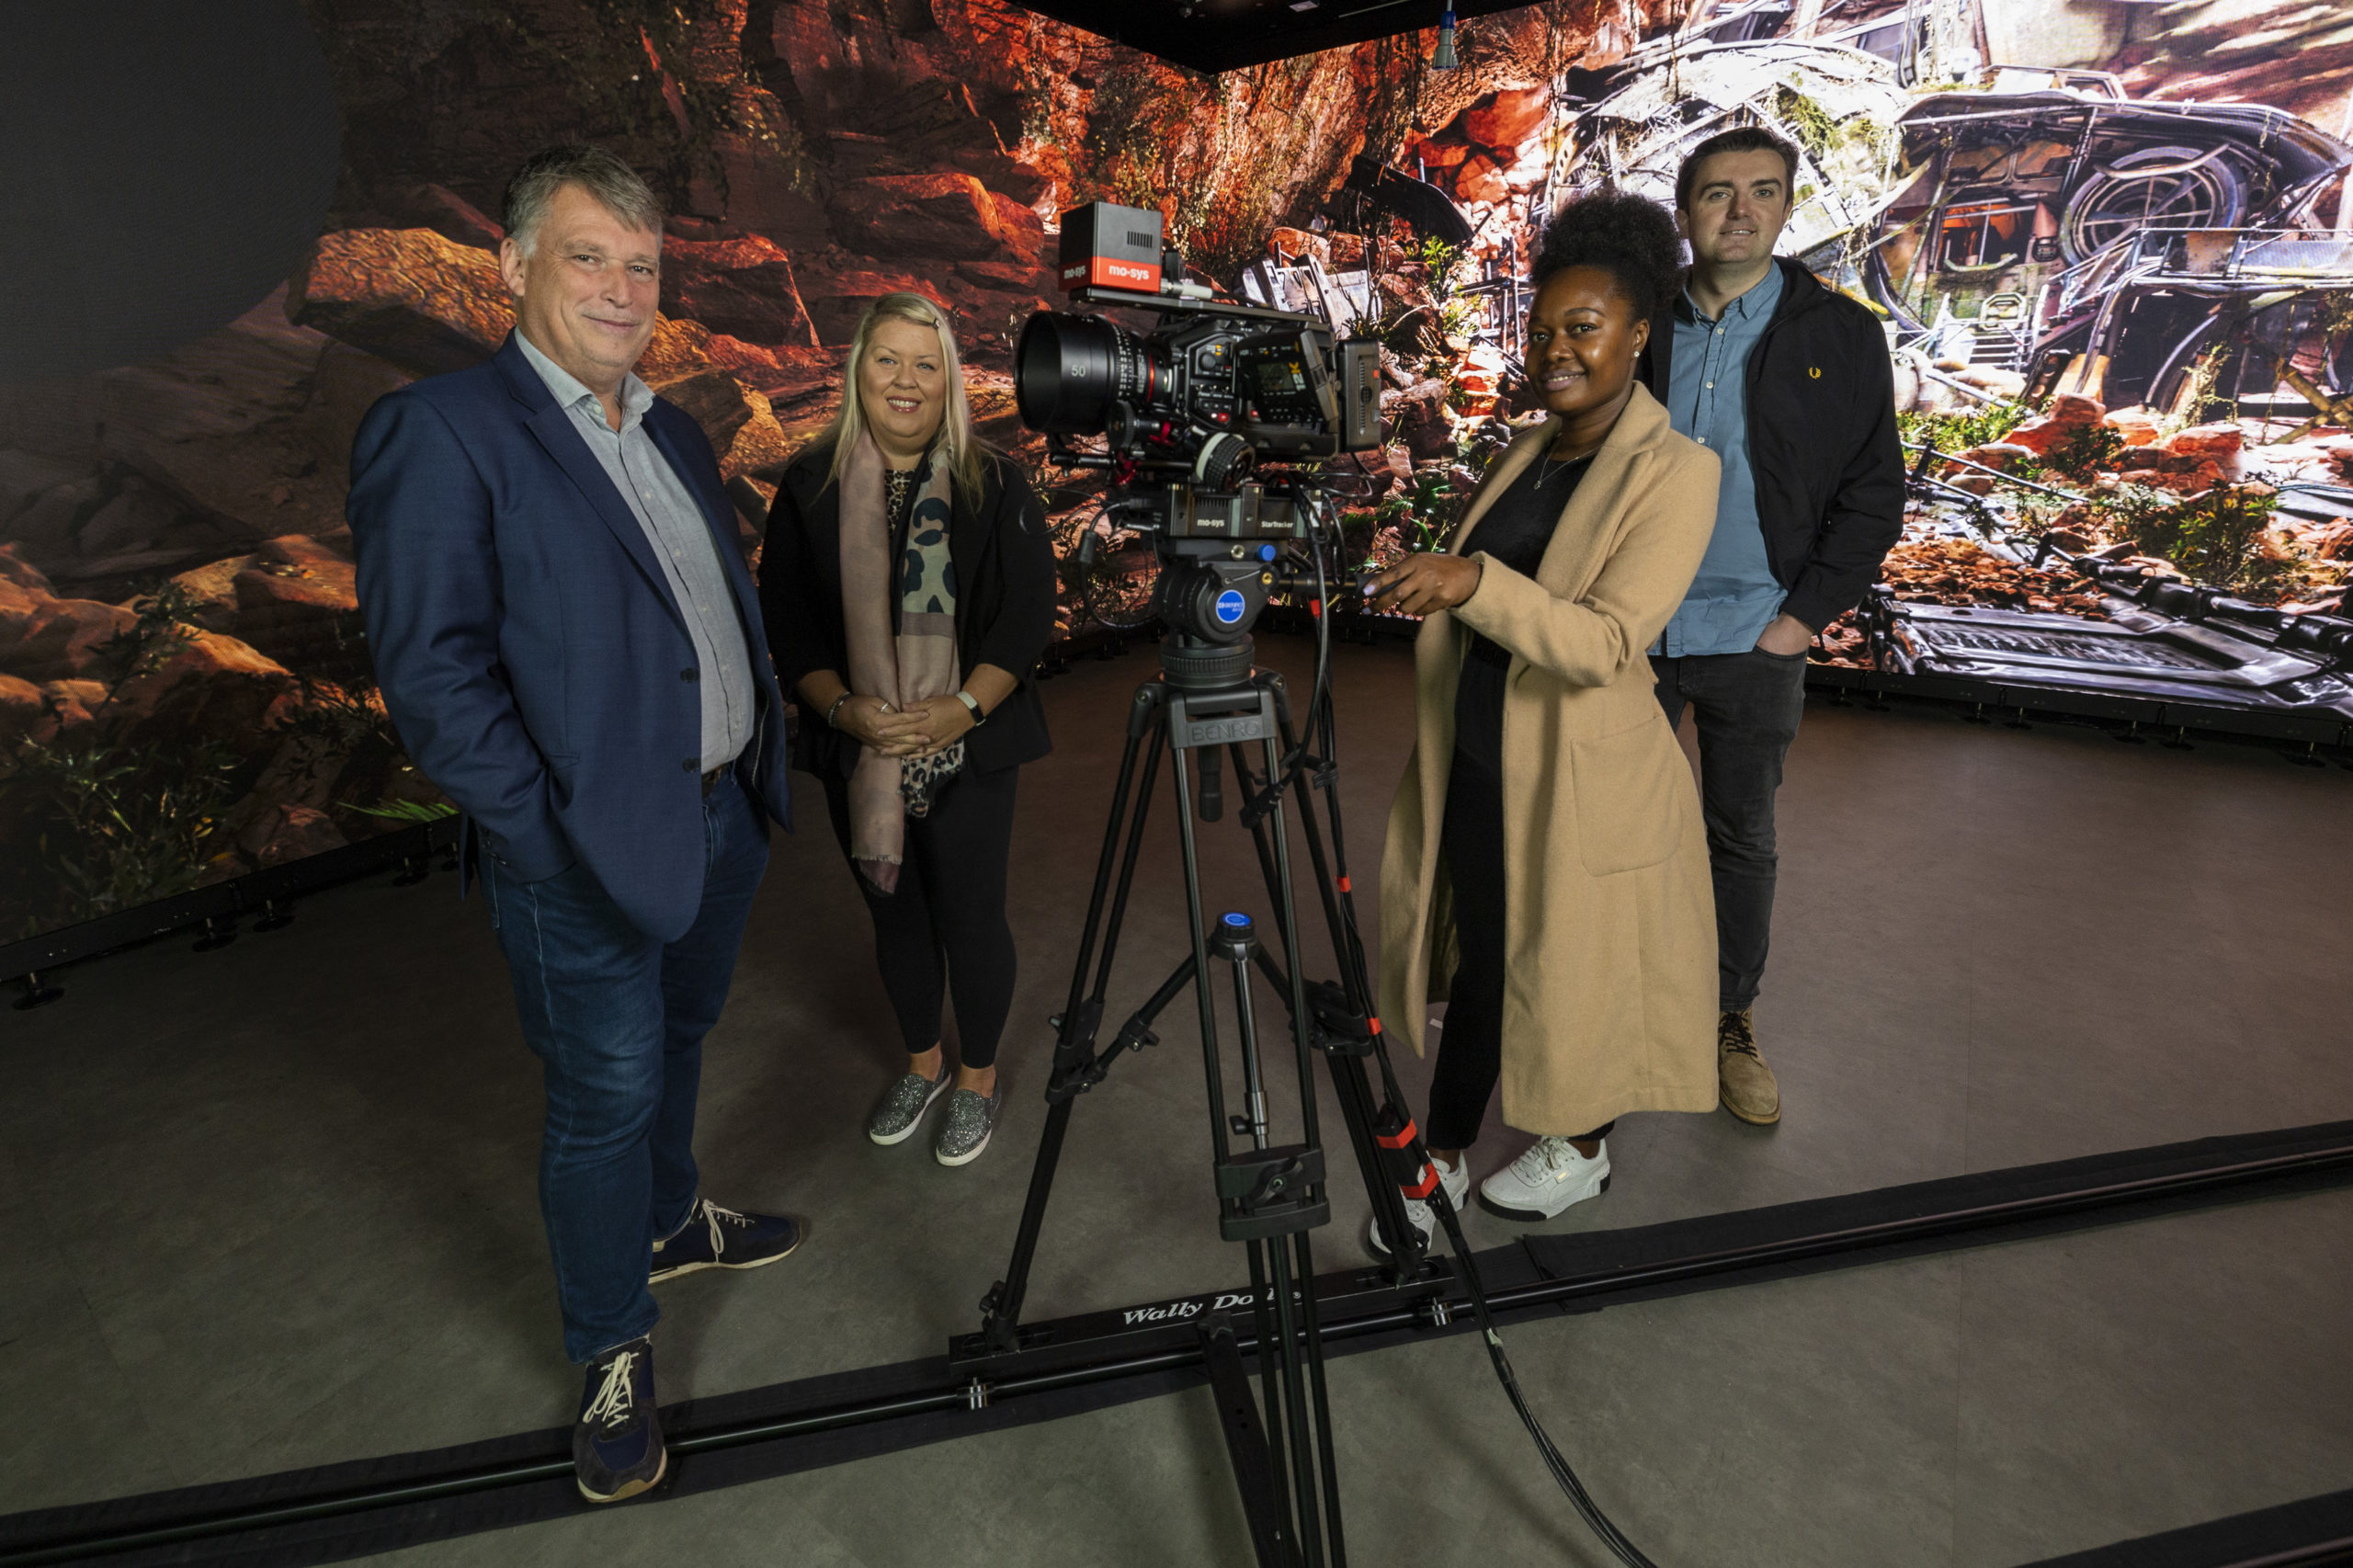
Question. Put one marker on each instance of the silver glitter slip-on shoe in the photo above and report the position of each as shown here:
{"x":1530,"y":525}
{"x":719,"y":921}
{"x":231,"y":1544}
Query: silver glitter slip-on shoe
{"x":964,"y":1132}
{"x":902,"y":1107}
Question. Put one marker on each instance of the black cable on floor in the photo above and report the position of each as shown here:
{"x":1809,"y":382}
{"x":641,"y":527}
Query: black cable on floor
{"x":1579,"y":1499}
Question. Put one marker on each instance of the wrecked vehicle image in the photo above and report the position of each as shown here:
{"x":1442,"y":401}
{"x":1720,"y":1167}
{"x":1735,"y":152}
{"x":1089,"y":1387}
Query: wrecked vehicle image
{"x":2124,"y":330}
{"x":2152,"y":239}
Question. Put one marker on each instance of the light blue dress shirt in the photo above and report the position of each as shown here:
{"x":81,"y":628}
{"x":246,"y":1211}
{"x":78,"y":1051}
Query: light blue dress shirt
{"x":674,"y":526}
{"x":1735,"y":596}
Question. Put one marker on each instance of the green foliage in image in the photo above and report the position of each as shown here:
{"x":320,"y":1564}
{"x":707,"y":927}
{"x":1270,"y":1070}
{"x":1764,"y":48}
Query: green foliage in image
{"x":1808,"y":119}
{"x":113,"y":827}
{"x":2197,"y":402}
{"x":1958,"y":432}
{"x":1421,"y":512}
{"x":116,"y":827}
{"x":2215,"y":537}
{"x":403,"y":811}
{"x":164,"y":625}
{"x":1125,"y":136}
{"x":2080,"y":455}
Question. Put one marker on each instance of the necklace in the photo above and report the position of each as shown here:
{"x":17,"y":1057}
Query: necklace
{"x":1545,"y":460}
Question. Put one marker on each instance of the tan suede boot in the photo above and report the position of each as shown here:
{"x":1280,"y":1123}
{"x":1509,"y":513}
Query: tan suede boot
{"x":1741,"y":1077}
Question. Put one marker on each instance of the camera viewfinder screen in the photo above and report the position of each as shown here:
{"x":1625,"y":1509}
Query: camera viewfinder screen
{"x":1275,"y":372}
{"x":1280,"y":378}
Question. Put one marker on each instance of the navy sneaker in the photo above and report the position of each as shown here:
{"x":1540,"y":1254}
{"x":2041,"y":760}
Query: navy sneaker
{"x":617,"y":1443}
{"x":714,"y":1237}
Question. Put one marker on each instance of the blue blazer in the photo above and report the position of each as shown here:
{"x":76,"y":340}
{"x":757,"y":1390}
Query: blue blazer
{"x":529,"y":648}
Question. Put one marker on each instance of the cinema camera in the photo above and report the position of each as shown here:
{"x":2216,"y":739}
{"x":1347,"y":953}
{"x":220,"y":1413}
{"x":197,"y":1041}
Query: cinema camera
{"x":1212,"y":422}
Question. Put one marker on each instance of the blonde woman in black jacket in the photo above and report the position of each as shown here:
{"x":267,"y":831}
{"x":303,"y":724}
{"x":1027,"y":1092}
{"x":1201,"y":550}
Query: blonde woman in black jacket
{"x":908,"y":588}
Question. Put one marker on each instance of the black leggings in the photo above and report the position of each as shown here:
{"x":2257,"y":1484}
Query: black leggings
{"x":1470,"y":1047}
{"x":945,"y":923}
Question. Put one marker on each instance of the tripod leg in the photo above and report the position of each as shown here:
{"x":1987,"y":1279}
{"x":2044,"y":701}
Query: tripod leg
{"x":1320,"y":1395}
{"x":1286,"y":921}
{"x":1406,"y":1247}
{"x":1262,"y":1309}
{"x":1127,"y":863}
{"x":1282,"y":1352}
{"x":1291,"y":1351}
{"x":1075,"y":1046}
{"x":1211,"y":1068}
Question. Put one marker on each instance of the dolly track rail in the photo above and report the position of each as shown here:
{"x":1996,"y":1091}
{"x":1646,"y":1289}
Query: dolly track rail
{"x":2327,"y":1158}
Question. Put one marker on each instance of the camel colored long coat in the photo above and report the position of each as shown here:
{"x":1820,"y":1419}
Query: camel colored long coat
{"x":1609,"y":995}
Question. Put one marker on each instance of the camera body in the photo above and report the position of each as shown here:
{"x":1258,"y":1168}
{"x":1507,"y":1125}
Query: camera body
{"x":1188,"y":410}
{"x":1209,"y":391}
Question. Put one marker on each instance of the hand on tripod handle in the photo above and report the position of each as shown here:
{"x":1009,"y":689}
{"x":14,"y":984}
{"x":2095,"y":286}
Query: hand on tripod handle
{"x":1423,"y":583}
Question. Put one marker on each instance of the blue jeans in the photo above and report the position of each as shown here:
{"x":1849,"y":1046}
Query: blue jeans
{"x":617,"y":1020}
{"x":1746,"y":707}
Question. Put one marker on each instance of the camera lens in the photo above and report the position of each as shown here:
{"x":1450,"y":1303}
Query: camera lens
{"x":1069,"y":370}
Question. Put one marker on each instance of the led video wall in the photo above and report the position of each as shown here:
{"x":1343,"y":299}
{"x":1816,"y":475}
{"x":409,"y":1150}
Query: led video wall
{"x":2109,"y":245}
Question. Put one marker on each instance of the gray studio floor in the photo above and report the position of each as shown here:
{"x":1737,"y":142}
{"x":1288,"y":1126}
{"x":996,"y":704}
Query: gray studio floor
{"x":273,"y":1206}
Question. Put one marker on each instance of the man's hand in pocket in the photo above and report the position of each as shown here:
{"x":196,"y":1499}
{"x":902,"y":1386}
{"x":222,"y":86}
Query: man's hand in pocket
{"x":1786,"y":635}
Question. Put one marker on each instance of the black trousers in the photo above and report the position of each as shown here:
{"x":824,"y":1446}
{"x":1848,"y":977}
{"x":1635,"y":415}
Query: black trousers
{"x":1470,"y":1047}
{"x":1746,"y":707}
{"x":944,"y":925}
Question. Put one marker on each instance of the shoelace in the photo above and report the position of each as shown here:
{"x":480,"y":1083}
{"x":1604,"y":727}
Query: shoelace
{"x":1739,"y":1045}
{"x":713,"y":1215}
{"x":1545,"y":1154}
{"x":617,"y":1397}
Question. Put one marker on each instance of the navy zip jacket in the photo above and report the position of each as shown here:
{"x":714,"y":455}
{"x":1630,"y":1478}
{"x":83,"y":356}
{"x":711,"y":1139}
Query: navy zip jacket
{"x":1821,"y":443}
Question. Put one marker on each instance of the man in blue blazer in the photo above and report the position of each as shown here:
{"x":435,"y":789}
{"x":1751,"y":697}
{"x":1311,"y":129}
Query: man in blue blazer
{"x":570,"y":644}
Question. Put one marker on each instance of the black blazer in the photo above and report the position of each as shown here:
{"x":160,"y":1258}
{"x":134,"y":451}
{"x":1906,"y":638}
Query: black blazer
{"x":1822,"y":442}
{"x":1006,"y":582}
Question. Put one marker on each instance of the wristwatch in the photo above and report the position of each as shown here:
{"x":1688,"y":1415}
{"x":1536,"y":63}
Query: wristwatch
{"x":969,"y":700}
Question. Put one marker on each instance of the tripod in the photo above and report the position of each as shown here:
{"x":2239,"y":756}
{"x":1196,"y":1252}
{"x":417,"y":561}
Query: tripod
{"x":1270,"y":1196}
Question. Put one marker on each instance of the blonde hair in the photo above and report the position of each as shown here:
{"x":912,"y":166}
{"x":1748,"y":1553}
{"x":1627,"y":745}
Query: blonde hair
{"x":965,"y":452}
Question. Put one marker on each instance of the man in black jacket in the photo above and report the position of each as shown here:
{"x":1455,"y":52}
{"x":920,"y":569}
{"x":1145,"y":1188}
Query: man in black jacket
{"x":1791,"y":385}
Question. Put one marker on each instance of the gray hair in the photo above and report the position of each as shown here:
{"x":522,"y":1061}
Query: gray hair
{"x":619,"y":188}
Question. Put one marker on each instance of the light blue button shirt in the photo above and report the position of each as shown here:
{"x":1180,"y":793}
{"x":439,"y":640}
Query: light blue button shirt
{"x":1735,"y":596}
{"x":680,"y":536}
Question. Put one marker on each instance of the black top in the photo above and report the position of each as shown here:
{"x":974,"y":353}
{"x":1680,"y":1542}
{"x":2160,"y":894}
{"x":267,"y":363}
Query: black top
{"x":1822,"y":442}
{"x":1005,"y":584}
{"x":1513,"y":532}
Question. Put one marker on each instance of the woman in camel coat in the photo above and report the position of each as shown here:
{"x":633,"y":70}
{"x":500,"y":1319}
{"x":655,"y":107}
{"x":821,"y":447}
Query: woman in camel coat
{"x":1546,"y":864}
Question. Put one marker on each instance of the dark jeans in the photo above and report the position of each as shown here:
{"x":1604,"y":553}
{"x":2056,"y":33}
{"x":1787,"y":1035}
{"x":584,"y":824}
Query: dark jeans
{"x":1746,"y":707}
{"x":617,"y":1019}
{"x":1470,"y":1047}
{"x":944,"y":925}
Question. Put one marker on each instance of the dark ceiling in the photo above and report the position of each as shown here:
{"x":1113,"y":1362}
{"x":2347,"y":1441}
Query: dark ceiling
{"x":1225,"y":35}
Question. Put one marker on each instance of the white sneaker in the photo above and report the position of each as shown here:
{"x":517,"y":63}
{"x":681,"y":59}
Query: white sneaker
{"x":1545,"y":1180}
{"x":1457,"y":1183}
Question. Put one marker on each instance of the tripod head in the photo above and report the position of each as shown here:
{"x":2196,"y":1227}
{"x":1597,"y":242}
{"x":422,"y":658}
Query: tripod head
{"x":1221,"y":555}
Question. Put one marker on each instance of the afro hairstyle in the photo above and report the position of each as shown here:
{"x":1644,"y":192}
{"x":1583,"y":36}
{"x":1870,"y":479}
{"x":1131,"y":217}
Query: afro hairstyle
{"x":1628,"y":236}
